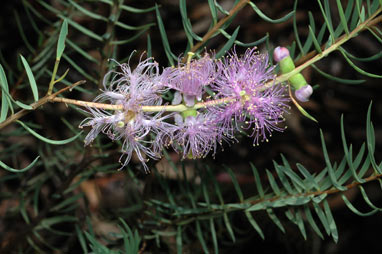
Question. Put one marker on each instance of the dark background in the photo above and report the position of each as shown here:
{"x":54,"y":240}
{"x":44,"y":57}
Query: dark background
{"x":300,"y":142}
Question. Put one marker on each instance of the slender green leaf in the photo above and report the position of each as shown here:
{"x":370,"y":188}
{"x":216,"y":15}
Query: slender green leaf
{"x":213,"y":235}
{"x":200,"y":237}
{"x":31,"y":79}
{"x":81,"y":51}
{"x":275,"y":219}
{"x":5,"y":101}
{"x":331,"y":222}
{"x":355,"y":67}
{"x":87,"y":12}
{"x":62,"y":38}
{"x":179,"y":240}
{"x":228,"y":44}
{"x":13,"y":170}
{"x":162,"y":30}
{"x":257,"y":181}
{"x":80,"y":28}
{"x":347,"y":155}
{"x":211,"y":4}
{"x":342,"y":16}
{"x":67,"y":202}
{"x":273,"y":183}
{"x":24,"y":37}
{"x":370,"y":140}
{"x":235,"y":184}
{"x":321,"y":215}
{"x":266,"y":18}
{"x":329,"y":165}
{"x":49,"y":141}
{"x":311,"y":221}
{"x":337,"y":79}
{"x":81,"y":239}
{"x":254,"y":224}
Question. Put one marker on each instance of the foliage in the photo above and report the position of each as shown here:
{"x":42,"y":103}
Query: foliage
{"x":52,"y":187}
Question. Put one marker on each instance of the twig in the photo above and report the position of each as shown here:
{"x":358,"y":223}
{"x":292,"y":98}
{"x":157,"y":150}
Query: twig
{"x":35,"y":105}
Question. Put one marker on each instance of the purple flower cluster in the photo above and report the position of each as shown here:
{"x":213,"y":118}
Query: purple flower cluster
{"x":245,"y":99}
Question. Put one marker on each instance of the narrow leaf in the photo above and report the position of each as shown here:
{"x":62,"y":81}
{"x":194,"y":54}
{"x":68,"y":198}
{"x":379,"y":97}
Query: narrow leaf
{"x":49,"y":141}
{"x":228,"y":44}
{"x":31,"y":79}
{"x":266,"y":18}
{"x":61,"y":39}
{"x":5,"y":102}
{"x":332,"y":223}
{"x":162,"y":30}
{"x":342,"y":16}
{"x":13,"y":170}
{"x":254,"y":224}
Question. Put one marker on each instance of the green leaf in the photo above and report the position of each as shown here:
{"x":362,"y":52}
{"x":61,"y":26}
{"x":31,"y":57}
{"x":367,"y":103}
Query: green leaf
{"x":266,"y":18}
{"x":81,"y":51}
{"x":347,"y":155}
{"x":342,"y":16}
{"x":87,"y":12}
{"x":321,"y":215}
{"x":5,"y":101}
{"x":370,"y":140}
{"x":81,"y":239}
{"x":200,"y":237}
{"x":162,"y":30}
{"x":355,"y":67}
{"x":331,"y":222}
{"x":228,"y":44}
{"x":49,"y":141}
{"x":254,"y":224}
{"x":80,"y":28}
{"x":136,"y":10}
{"x":61,"y":39}
{"x":179,"y":240}
{"x":257,"y":181}
{"x":337,"y":79}
{"x":273,"y":183}
{"x":329,"y":165}
{"x":213,"y":235}
{"x":235,"y":184}
{"x":275,"y":219}
{"x":13,"y":170}
{"x":67,"y":202}
{"x":31,"y":79}
{"x":211,"y":4}
{"x":283,"y":179}
{"x":311,"y":221}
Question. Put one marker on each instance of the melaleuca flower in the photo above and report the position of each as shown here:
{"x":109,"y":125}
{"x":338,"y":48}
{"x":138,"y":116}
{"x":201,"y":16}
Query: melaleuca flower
{"x":190,"y":79}
{"x":242,"y":80}
{"x":139,"y":87}
{"x":134,"y":127}
{"x":196,"y":135}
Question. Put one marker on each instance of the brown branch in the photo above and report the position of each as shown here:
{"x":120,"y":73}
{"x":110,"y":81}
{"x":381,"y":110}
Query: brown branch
{"x":39,"y":103}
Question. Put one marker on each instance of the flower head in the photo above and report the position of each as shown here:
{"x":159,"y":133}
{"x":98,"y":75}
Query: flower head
{"x":191,"y":78}
{"x":196,"y":135}
{"x":243,"y":79}
{"x":132,"y":89}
